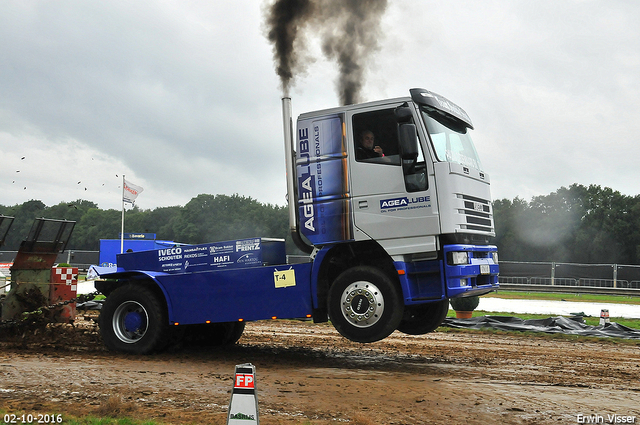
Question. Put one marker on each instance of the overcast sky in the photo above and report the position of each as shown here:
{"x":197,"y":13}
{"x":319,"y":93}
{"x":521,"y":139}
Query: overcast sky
{"x":182,"y":96}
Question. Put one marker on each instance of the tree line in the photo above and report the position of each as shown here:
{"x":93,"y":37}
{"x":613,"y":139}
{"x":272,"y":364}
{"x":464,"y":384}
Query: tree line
{"x":206,"y":218}
{"x":578,"y":224}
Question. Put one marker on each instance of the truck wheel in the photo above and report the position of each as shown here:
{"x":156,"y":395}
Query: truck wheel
{"x":364,"y":304}
{"x":134,"y":320}
{"x":235,"y":332}
{"x":423,"y":318}
{"x":216,"y":334}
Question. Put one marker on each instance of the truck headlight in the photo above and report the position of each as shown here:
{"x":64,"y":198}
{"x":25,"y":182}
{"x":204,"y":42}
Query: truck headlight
{"x":494,"y":256}
{"x":458,"y":258}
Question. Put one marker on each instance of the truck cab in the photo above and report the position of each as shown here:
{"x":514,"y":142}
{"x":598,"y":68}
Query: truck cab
{"x":413,"y":206}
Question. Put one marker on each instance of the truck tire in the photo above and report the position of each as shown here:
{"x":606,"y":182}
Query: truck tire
{"x":227,"y":333}
{"x":134,"y":320}
{"x":215,"y":334}
{"x":364,"y":304}
{"x":235,"y":330}
{"x":424,"y":318}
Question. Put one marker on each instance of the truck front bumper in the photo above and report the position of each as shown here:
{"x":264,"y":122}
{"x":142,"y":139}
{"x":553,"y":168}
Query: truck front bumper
{"x":470,"y":269}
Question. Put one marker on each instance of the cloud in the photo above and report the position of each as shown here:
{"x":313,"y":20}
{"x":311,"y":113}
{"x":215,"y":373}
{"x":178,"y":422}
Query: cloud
{"x":183,"y":97}
{"x":150,"y":84}
{"x":34,"y":168}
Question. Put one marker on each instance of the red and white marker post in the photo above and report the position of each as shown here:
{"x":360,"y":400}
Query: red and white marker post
{"x":243,"y":407}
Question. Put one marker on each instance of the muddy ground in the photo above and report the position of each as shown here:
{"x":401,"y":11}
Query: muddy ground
{"x":309,"y":374}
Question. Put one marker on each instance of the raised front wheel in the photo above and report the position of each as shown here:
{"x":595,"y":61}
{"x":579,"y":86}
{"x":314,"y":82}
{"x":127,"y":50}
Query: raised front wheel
{"x":134,"y":320}
{"x":423,"y":318}
{"x":365,"y":305}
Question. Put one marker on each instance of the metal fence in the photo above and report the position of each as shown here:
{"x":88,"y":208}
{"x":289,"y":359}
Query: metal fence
{"x":569,"y":277}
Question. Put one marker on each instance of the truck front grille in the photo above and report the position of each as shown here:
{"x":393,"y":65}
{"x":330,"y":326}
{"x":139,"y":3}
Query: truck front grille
{"x":478,"y":214}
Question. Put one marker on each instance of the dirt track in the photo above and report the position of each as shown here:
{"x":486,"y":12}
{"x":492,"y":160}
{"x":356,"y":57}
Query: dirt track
{"x":309,"y":374}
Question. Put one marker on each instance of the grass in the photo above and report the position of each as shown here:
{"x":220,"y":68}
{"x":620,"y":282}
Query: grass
{"x":69,"y":420}
{"x":358,"y":419}
{"x":90,"y":420}
{"x":587,"y":298}
{"x":114,"y":411}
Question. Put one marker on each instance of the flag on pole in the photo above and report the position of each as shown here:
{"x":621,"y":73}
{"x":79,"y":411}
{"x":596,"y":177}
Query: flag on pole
{"x":130,"y":192}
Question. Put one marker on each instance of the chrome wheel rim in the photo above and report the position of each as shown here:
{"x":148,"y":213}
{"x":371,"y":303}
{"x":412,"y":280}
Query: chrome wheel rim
{"x":362,"y":304}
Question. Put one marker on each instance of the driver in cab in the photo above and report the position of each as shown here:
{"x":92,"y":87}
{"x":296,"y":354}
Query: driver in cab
{"x":367,"y":148}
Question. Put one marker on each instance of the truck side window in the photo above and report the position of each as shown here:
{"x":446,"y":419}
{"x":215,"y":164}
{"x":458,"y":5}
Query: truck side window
{"x":415,"y":173}
{"x":375,"y":137}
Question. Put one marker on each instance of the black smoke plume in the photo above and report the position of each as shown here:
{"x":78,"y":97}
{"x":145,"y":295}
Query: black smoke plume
{"x":284,"y":20}
{"x":349,"y":31}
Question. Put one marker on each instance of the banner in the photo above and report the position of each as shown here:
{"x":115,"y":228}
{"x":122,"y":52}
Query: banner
{"x":130,"y":192}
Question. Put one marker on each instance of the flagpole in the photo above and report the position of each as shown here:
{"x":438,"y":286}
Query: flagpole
{"x":122,"y":227}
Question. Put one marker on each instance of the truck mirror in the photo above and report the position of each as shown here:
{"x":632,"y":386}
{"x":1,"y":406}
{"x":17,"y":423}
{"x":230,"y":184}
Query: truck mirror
{"x":403,"y":113}
{"x":408,"y":141}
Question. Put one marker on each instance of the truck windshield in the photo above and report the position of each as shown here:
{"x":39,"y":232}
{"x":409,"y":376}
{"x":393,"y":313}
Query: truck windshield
{"x":452,"y":143}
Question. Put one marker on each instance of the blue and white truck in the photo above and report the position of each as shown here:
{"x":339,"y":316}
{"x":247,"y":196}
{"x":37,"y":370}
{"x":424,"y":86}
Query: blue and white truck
{"x":394,"y":226}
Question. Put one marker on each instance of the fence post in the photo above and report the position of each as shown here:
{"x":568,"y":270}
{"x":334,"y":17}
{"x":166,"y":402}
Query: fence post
{"x":553,"y":273}
{"x":615,"y":275}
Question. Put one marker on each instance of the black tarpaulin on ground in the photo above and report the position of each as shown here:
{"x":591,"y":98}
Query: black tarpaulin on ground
{"x":572,"y":326}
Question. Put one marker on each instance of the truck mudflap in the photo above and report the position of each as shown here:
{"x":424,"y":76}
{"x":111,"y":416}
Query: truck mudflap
{"x":421,"y":281}
{"x":474,"y":272}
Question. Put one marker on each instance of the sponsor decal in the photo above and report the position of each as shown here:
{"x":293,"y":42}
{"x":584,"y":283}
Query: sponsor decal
{"x":320,"y":173}
{"x":247,"y":258}
{"x":217,"y":255}
{"x":248,"y":245}
{"x":195,"y":252}
{"x":130,"y":191}
{"x":140,"y":236}
{"x":195,"y":255}
{"x":404,"y":203}
{"x":242,"y":416}
{"x":392,"y":203}
{"x":220,"y":248}
{"x":244,"y":380}
{"x":307,"y":182}
{"x":170,"y":254}
{"x":316,"y":139}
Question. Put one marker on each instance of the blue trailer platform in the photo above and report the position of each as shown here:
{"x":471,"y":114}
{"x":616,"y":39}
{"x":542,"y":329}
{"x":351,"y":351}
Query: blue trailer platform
{"x":222,"y":284}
